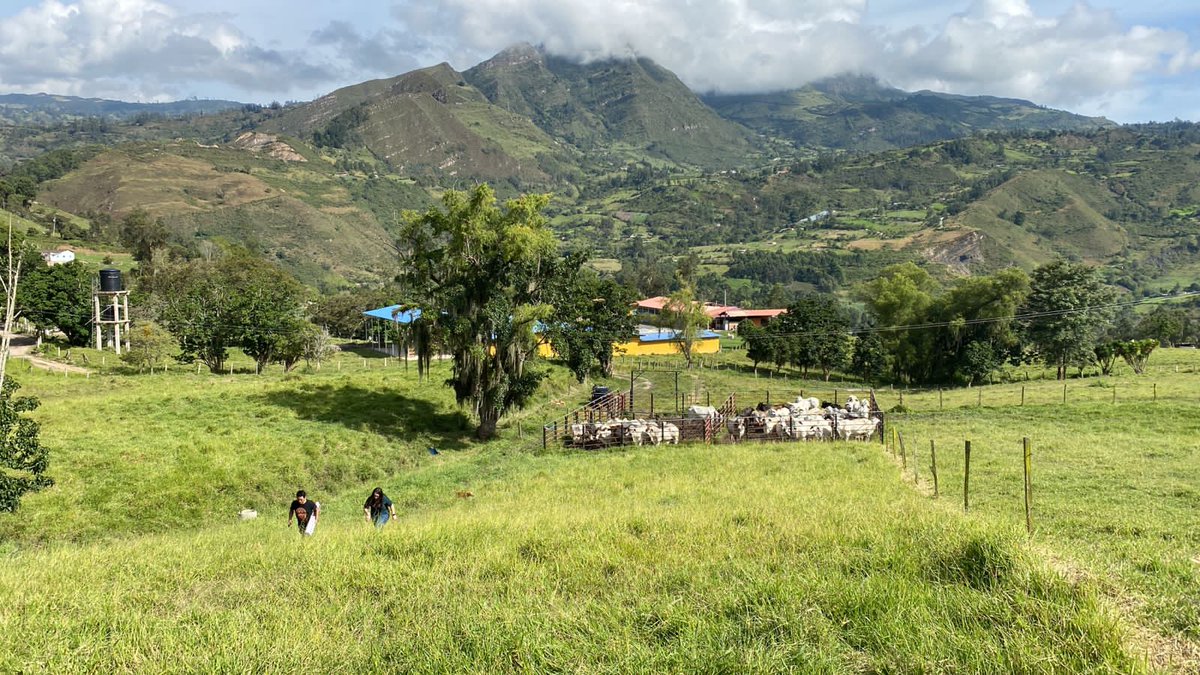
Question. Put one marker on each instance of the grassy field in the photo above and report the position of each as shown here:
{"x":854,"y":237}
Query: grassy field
{"x":759,"y":558}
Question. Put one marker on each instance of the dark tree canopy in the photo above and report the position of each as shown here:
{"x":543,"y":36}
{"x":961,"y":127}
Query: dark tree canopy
{"x":23,"y":459}
{"x":591,"y":315}
{"x":58,"y":297}
{"x":238,"y":301}
{"x":1069,"y":306}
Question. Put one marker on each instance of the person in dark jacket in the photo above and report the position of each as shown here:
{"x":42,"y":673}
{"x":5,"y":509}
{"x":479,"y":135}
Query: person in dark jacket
{"x":304,"y":511}
{"x":378,"y":508}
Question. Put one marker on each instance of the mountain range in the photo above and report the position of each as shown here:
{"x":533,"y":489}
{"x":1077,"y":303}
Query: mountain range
{"x":638,"y":163}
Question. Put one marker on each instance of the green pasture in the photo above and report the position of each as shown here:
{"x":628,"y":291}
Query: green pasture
{"x":733,"y":558}
{"x":677,"y":559}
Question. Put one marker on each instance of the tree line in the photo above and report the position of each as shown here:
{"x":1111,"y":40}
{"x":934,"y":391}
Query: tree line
{"x":915,"y":330}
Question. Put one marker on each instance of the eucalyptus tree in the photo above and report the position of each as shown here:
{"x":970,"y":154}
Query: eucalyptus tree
{"x":481,"y":276}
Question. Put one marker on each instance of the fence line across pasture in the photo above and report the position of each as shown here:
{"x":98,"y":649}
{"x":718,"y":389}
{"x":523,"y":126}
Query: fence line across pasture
{"x":1022,"y":454}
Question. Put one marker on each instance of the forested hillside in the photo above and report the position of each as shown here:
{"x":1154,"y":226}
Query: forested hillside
{"x":765,"y":202}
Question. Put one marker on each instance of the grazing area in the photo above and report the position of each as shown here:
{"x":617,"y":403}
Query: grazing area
{"x":1114,"y":487}
{"x":733,"y":557}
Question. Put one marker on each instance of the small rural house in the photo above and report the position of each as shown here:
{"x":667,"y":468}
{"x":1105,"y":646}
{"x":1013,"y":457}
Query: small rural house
{"x":53,"y":258}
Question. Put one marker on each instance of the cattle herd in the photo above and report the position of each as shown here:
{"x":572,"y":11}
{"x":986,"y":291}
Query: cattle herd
{"x":805,"y":419}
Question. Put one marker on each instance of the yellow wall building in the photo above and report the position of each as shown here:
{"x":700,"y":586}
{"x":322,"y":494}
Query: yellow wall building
{"x":654,"y":344}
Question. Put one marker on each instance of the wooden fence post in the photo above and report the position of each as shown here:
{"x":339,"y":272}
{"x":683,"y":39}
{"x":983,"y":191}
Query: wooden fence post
{"x":1155,"y":391}
{"x":903,"y":454}
{"x":1064,"y":393}
{"x":966,"y":477}
{"x":1022,"y":394}
{"x":980,"y":392}
{"x":1028,"y":452}
{"x":933,"y":466}
{"x":916,"y":463}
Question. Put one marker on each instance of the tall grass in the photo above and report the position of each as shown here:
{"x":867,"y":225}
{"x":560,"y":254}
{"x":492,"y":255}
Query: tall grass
{"x":808,"y":557}
{"x":747,"y":559}
{"x":1114,"y":494}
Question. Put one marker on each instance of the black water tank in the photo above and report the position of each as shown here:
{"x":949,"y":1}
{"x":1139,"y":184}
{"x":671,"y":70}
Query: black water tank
{"x":110,"y":281}
{"x":599,"y":392}
{"x":108,"y":313}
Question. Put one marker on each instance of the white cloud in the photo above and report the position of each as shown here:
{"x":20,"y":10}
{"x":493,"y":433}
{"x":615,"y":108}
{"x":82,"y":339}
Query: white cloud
{"x":1078,"y":56}
{"x":1002,"y":47}
{"x":135,"y":49}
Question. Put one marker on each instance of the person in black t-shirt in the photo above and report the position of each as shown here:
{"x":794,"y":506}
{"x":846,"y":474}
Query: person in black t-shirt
{"x":303,"y":509}
{"x":378,"y":508}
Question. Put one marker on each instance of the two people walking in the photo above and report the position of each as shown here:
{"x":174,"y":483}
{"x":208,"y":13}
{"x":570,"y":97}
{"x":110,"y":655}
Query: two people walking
{"x":377,"y":509}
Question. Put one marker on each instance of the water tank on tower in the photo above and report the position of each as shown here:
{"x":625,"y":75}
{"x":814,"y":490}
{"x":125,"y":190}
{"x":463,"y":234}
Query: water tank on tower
{"x":110,"y":281}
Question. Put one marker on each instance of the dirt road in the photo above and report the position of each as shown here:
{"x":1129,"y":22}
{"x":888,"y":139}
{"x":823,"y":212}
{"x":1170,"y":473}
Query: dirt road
{"x":21,"y":347}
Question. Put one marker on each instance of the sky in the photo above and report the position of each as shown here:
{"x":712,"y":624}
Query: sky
{"x":1127,"y":60}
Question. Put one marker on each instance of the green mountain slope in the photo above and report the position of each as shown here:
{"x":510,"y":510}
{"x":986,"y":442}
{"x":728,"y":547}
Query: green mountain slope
{"x":859,"y":113}
{"x":430,"y":122}
{"x":1046,"y":213}
{"x":328,"y":229}
{"x":631,"y":102}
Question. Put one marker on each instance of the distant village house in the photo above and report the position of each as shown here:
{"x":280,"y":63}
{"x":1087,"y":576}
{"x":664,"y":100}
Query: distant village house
{"x":53,"y":258}
{"x":723,"y":317}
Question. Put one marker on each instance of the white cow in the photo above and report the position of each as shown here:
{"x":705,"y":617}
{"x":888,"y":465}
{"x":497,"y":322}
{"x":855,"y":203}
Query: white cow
{"x":704,"y":412}
{"x":857,"y":408}
{"x":801,"y":405}
{"x":810,"y":427}
{"x":662,"y":432}
{"x":857,"y":429}
{"x":634,"y":431}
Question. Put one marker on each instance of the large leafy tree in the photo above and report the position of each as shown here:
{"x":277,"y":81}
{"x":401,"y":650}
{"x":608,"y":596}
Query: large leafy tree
{"x":1166,"y":324}
{"x":901,"y":296}
{"x":58,"y":297}
{"x":141,"y":234}
{"x":817,"y":329}
{"x":591,"y":315}
{"x":1068,"y":307}
{"x":759,"y":343}
{"x":237,"y":301}
{"x":193,"y":305}
{"x":267,"y":305}
{"x":868,"y":360}
{"x":481,"y":276}
{"x":978,"y":333}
